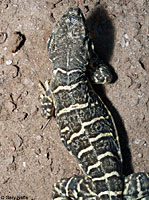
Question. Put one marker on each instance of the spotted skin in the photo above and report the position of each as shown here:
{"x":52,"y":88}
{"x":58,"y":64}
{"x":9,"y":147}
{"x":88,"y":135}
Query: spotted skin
{"x":86,"y":126}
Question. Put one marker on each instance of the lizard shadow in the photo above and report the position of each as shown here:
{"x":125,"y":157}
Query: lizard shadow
{"x":102,"y":32}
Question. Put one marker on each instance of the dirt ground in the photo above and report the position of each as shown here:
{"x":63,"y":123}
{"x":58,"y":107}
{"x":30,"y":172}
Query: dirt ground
{"x":32,"y":160}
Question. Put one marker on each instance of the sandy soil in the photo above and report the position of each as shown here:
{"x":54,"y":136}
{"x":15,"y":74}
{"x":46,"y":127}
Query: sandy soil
{"x":32,"y":160}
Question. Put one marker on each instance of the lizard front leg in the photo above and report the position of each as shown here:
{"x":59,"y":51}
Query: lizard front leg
{"x":97,"y":70}
{"x":47,"y":105}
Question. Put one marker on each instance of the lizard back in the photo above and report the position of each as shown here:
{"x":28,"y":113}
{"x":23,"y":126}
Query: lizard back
{"x":86,"y":125}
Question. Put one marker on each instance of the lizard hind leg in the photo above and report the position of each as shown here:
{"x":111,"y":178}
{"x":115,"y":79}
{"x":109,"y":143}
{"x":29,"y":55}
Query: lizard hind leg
{"x":136,"y":186}
{"x":47,"y":106}
{"x":75,"y":188}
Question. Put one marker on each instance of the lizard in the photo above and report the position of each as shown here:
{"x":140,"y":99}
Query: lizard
{"x":86,"y":126}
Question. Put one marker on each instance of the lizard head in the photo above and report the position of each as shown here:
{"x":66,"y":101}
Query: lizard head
{"x":68,"y":42}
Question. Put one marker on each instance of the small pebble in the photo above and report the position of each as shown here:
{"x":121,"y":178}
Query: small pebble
{"x":38,"y":137}
{"x":12,"y":148}
{"x":10,"y":160}
{"x":127,"y":44}
{"x":145,"y":144}
{"x":110,"y":8}
{"x":2,"y":60}
{"x":123,"y":43}
{"x":8,"y":62}
{"x":38,"y":152}
{"x":2,"y":80}
{"x":137,"y":141}
{"x":3,"y":37}
{"x":132,"y":67}
{"x":126,"y":36}
{"x":138,"y":85}
{"x":24,"y":164}
{"x":140,"y":155}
